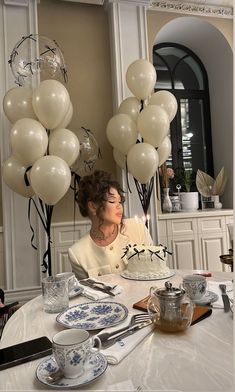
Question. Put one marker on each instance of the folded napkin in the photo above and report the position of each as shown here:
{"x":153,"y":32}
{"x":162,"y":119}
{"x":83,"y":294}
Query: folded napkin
{"x":98,"y":295}
{"x":214,"y":286}
{"x":114,"y":354}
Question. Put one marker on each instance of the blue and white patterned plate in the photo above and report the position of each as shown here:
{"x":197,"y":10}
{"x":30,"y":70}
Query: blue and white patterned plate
{"x":94,"y":368}
{"x":76,"y":291}
{"x":93,"y":315}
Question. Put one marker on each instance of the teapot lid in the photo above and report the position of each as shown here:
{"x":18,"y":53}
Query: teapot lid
{"x":170,"y":292}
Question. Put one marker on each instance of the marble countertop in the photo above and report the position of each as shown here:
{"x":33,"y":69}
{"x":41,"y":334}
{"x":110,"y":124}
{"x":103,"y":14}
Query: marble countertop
{"x":199,"y":359}
{"x":196,"y":214}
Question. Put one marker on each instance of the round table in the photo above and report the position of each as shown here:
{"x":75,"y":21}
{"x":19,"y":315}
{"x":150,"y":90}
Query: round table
{"x":199,"y":359}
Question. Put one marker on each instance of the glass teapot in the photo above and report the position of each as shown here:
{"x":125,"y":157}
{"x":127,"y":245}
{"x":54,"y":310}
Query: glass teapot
{"x":170,"y":308}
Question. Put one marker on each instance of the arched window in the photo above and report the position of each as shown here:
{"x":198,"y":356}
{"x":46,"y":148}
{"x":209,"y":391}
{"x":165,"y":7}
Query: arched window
{"x":181,"y":72}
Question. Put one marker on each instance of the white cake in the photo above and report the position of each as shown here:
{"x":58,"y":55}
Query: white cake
{"x":146,"y":262}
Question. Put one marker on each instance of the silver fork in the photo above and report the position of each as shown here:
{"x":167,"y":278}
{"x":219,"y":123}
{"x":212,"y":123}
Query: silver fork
{"x":135,"y":319}
{"x":105,"y":286}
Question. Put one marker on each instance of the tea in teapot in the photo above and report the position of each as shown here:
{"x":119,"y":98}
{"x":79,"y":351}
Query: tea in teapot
{"x":170,"y":309}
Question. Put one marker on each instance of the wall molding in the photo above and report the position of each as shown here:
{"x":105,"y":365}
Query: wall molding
{"x":192,"y":8}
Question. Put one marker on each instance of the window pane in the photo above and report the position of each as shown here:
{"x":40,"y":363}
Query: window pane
{"x":163,"y":75}
{"x":193,"y":134}
{"x":188,"y":75}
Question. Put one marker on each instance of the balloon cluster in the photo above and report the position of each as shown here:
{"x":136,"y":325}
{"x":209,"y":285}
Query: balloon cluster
{"x":43,"y":149}
{"x":139,"y":131}
{"x":45,"y":154}
{"x":33,"y":113}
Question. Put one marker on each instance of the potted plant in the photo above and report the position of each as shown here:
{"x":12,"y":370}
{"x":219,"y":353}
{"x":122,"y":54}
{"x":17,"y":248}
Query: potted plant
{"x":188,"y":199}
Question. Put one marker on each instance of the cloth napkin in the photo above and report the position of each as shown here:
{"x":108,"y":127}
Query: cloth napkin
{"x":98,"y":295}
{"x":114,"y":354}
{"x":214,"y":286}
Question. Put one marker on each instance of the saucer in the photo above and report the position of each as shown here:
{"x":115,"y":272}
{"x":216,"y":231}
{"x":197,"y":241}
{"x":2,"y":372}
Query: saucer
{"x":75,"y":291}
{"x":95,"y":366}
{"x":208,"y":298}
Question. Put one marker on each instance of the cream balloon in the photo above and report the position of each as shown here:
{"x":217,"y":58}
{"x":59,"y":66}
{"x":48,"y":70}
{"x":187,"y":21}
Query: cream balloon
{"x":167,"y":101}
{"x":51,"y":103}
{"x":131,"y":106}
{"x":142,"y":162}
{"x":164,"y":150}
{"x":67,"y":118}
{"x":119,"y":158}
{"x":13,"y":175}
{"x":50,"y":178}
{"x":64,"y":144}
{"x":29,"y":140}
{"x":141,"y":78}
{"x":122,"y":132}
{"x":153,"y":124}
{"x":17,"y":104}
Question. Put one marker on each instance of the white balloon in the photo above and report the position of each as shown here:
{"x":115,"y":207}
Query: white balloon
{"x":29,"y":140}
{"x":153,"y":124}
{"x":64,"y":144}
{"x":51,"y":103}
{"x":50,"y":178}
{"x":17,"y":104}
{"x":167,"y":101}
{"x":122,"y":132}
{"x":141,"y":78}
{"x":119,"y":158}
{"x":13,"y":175}
{"x":164,"y":150}
{"x":142,"y":162}
{"x":131,"y":106}
{"x":67,"y":118}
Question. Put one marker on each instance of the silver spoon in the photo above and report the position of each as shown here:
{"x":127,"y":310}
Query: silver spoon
{"x":55,"y":377}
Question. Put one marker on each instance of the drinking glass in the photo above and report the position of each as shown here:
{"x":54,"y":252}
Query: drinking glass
{"x":55,"y":294}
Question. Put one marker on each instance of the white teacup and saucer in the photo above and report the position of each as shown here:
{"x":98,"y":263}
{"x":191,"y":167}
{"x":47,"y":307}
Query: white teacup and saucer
{"x":75,"y":361}
{"x":73,"y":284}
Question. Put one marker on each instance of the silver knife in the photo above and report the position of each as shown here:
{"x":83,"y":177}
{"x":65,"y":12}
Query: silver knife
{"x":109,"y":342}
{"x":95,"y":287}
{"x":225,"y":298}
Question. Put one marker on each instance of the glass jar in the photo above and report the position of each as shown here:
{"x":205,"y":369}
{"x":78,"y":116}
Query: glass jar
{"x":175,"y":201}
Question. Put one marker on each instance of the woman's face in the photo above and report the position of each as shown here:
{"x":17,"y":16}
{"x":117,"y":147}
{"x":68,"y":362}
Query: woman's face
{"x":113,"y":210}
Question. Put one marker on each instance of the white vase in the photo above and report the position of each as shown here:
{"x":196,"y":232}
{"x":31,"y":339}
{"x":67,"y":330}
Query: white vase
{"x":217,"y":204}
{"x":189,"y":201}
{"x":166,"y":201}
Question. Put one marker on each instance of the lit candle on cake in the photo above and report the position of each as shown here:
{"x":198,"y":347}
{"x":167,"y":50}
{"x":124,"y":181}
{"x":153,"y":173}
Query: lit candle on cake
{"x":138,"y":228}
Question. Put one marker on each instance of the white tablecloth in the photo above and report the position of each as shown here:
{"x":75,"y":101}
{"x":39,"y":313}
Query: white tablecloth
{"x":198,"y":360}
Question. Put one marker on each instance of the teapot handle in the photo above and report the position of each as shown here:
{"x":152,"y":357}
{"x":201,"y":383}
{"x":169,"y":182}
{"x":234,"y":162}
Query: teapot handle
{"x":152,"y":289}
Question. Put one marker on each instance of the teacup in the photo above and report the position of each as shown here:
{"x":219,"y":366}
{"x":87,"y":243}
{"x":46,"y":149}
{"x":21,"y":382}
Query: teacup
{"x":72,"y":280}
{"x":71,"y":348}
{"x":194,"y":286}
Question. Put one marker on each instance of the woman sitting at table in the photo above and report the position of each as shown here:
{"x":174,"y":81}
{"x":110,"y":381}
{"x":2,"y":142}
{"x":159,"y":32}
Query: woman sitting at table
{"x":100,"y":251}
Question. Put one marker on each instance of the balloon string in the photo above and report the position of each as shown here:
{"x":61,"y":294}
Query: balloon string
{"x":26,"y":180}
{"x":31,"y":227}
{"x":127,"y":179}
{"x":45,"y":216}
{"x":145,"y":192}
{"x":49,"y":211}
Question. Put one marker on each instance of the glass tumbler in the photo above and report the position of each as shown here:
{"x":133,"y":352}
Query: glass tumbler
{"x":55,"y":294}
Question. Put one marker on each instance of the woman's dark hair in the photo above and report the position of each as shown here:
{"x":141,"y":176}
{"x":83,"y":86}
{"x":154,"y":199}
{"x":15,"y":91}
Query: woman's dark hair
{"x":95,"y":188}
